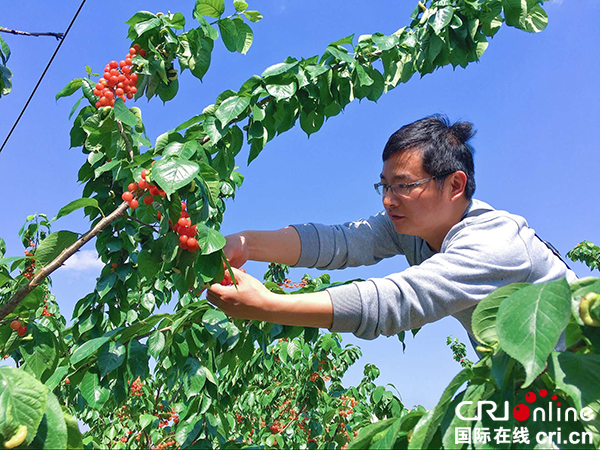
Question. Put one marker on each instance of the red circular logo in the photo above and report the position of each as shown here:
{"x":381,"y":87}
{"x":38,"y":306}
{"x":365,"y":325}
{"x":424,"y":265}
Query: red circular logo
{"x":543,"y":392}
{"x":530,"y":397}
{"x":521,"y":412}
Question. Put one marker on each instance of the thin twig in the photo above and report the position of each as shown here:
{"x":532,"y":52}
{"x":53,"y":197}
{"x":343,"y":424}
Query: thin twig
{"x":125,"y":138}
{"x":142,"y":223}
{"x":58,"y":36}
{"x":23,"y":291}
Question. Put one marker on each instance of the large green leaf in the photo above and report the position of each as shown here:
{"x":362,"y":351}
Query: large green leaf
{"x":53,"y":245}
{"x":578,"y":376}
{"x":52,"y":432}
{"x":110,"y":357}
{"x":441,"y":19}
{"x":530,"y":322}
{"x":92,"y":392}
{"x":75,"y":205}
{"x":41,"y":353}
{"x":195,"y":377}
{"x":22,"y":402}
{"x":429,"y":423}
{"x":174,"y":173}
{"x":211,"y":8}
{"x":74,"y":437}
{"x":483,"y":320}
{"x":88,"y":348}
{"x":123,"y":114}
{"x":514,"y":11}
{"x":231,"y":108}
{"x":210,"y":240}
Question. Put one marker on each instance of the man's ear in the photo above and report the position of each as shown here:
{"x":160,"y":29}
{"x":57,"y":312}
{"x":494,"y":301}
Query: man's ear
{"x":458,"y":183}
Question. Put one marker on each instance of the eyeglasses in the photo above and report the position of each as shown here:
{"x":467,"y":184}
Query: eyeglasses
{"x":403,"y":189}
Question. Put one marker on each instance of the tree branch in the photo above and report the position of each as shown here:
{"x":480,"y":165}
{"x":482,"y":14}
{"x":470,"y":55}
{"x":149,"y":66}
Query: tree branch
{"x":23,"y":291}
{"x":58,"y":36}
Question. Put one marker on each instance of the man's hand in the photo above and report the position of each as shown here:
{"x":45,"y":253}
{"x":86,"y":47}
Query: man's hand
{"x":250,"y":299}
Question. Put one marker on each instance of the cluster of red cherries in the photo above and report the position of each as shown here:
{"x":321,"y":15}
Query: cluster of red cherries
{"x":139,"y":188}
{"x":136,"y":387}
{"x":118,"y":81}
{"x":186,"y":231}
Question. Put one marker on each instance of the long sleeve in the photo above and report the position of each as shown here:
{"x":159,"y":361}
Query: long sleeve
{"x":359,"y":243}
{"x":474,"y":261}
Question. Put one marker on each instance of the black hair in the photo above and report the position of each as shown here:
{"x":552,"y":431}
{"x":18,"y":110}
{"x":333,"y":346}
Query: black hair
{"x":445,"y":147}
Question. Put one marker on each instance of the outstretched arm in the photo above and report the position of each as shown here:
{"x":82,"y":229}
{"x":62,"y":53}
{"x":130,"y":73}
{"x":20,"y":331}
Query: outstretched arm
{"x":280,"y":246}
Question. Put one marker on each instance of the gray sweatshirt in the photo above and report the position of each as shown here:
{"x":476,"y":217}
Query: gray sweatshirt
{"x":486,"y":250}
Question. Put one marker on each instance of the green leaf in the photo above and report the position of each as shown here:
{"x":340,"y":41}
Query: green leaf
{"x":148,"y":264}
{"x":514,"y":11}
{"x":123,"y":114}
{"x":71,"y":87}
{"x":146,"y":25}
{"x":41,"y":353}
{"x":240,"y":5}
{"x":253,"y":16}
{"x":88,"y":348}
{"x":210,"y":240}
{"x":483,"y":321}
{"x":429,"y":423}
{"x":91,"y":390}
{"x":75,"y":205}
{"x":277,"y":69}
{"x":213,"y":129}
{"x":53,"y":245}
{"x":22,"y":402}
{"x":231,"y":108}
{"x":74,"y":437}
{"x":535,"y":20}
{"x":156,"y":343}
{"x":110,"y":357}
{"x":578,"y":376}
{"x":441,"y":19}
{"x":384,"y":42}
{"x":530,"y":322}
{"x":52,"y":432}
{"x":211,"y":8}
{"x":195,"y":377}
{"x":311,"y":122}
{"x":173,"y":174}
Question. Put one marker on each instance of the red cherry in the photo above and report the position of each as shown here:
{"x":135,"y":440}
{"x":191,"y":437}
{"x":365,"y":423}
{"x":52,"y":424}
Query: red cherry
{"x":127,"y":196}
{"x":134,"y":203}
{"x":144,"y":173}
{"x":148,"y":199}
{"x":15,"y":324}
{"x":142,"y":184}
{"x":183,"y":240}
{"x":21,"y":331}
{"x":192,"y":244}
{"x":132,"y":187}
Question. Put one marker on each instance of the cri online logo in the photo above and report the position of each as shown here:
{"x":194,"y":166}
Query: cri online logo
{"x":522,"y":412}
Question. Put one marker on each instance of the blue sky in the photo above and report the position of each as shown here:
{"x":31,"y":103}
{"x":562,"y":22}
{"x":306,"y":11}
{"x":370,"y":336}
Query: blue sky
{"x":532,"y":98}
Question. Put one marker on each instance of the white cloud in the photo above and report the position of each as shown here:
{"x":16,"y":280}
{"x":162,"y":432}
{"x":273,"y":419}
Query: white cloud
{"x":82,"y":261}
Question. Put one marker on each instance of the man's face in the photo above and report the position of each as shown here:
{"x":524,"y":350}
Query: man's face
{"x":424,"y":209}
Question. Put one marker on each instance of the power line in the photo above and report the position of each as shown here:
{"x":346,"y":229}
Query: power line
{"x":43,"y":74}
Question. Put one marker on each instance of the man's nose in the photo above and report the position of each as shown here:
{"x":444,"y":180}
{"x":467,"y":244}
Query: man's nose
{"x":389,"y":199}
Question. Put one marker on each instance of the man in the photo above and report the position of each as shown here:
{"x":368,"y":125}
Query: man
{"x":459,"y":249}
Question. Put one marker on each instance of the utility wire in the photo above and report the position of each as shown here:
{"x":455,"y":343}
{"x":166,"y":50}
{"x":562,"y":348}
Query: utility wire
{"x":43,"y":74}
